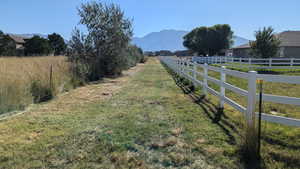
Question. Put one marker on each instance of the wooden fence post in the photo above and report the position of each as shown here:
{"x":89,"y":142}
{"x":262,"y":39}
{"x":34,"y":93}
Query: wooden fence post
{"x":270,"y":62}
{"x":205,"y":79}
{"x":51,"y":78}
{"x":292,"y":62}
{"x":251,"y":97}
{"x":194,"y":74}
{"x":222,"y":88}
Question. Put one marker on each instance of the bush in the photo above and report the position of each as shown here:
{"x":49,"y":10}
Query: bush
{"x":145,"y":59}
{"x":134,"y":55}
{"x":40,"y":92}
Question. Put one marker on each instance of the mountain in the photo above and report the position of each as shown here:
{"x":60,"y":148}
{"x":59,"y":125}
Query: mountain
{"x":163,"y":40}
{"x":31,"y":35}
{"x":170,"y":40}
{"x":239,"y":41}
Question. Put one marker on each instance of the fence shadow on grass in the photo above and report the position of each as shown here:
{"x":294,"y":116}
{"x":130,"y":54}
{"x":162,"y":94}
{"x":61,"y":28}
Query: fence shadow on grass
{"x":216,"y":115}
{"x":213,"y":111}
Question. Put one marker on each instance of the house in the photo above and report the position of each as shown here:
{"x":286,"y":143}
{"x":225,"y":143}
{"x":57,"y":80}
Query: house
{"x":289,"y":46}
{"x":19,"y":41}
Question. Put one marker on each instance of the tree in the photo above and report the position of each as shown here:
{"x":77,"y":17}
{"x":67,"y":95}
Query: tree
{"x":108,"y":36}
{"x":266,"y":44}
{"x":57,"y":44}
{"x":37,"y":46}
{"x":7,"y":45}
{"x":209,"y":40}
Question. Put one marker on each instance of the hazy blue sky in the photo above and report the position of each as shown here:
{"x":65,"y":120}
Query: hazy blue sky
{"x":47,"y":16}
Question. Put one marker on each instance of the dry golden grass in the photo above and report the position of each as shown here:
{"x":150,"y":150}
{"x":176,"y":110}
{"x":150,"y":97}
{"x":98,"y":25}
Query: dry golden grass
{"x":17,"y":75}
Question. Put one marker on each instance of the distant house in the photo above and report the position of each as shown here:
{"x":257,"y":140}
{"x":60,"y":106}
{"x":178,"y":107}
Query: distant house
{"x":19,"y":40}
{"x":289,"y":47}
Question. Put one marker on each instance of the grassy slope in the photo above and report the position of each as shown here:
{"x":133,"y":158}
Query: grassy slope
{"x":148,"y":122}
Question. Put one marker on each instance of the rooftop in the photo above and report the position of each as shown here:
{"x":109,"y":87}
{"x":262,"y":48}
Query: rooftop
{"x":287,"y":38}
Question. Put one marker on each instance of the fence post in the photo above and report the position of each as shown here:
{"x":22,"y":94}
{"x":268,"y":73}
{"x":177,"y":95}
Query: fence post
{"x":205,"y":79}
{"x":270,"y":62}
{"x":251,"y":97}
{"x":222,"y":88}
{"x":179,"y":67}
{"x":292,"y":62}
{"x":249,"y":61}
{"x":240,"y":60}
{"x":51,"y":77}
{"x":194,"y":74}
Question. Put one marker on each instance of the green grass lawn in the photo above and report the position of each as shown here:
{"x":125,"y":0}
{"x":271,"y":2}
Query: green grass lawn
{"x":149,"y":122}
{"x":245,"y":68}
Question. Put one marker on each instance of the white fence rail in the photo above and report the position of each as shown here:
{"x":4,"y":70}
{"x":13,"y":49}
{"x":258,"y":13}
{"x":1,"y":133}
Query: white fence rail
{"x":271,"y":63}
{"x":183,"y":68}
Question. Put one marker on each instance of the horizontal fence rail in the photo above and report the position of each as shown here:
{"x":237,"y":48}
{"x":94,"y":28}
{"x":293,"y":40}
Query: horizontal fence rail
{"x":189,"y":70}
{"x":271,"y":63}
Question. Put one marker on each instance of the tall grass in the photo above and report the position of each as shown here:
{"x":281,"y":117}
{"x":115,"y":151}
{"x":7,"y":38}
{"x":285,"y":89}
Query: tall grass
{"x":27,"y":80}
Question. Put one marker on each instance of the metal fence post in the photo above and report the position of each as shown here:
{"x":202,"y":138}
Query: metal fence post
{"x":292,"y":62}
{"x":251,"y":97}
{"x":222,"y":88}
{"x":270,"y":62}
{"x":205,"y":79}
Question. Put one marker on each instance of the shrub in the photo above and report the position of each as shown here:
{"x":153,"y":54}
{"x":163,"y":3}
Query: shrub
{"x":40,"y":92}
{"x":134,"y":55}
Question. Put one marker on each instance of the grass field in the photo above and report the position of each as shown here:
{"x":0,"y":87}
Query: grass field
{"x":23,"y":79}
{"x":141,"y":120}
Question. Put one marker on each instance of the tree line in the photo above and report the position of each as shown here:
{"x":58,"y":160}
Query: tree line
{"x":215,"y":40}
{"x":54,"y":44}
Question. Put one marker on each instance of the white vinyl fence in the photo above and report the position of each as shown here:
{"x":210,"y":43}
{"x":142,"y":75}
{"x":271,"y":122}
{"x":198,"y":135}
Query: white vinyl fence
{"x":271,"y":63}
{"x":189,"y":70}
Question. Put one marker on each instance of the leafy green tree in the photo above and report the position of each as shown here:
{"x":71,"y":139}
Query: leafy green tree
{"x":37,"y":46}
{"x":266,"y":44}
{"x":57,"y":44}
{"x":7,"y":45}
{"x":209,"y":40}
{"x":109,"y":33}
{"x":197,"y":40}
